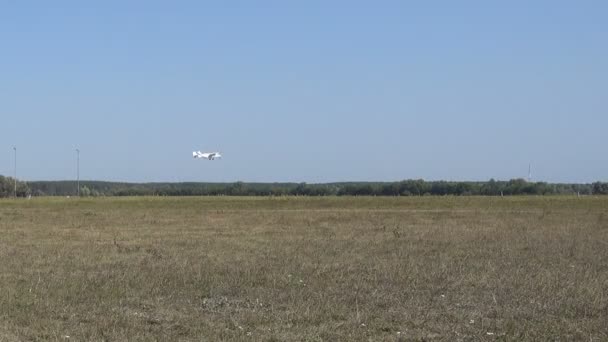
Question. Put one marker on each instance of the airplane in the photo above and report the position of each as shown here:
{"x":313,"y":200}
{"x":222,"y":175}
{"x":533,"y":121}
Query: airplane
{"x":208,"y":155}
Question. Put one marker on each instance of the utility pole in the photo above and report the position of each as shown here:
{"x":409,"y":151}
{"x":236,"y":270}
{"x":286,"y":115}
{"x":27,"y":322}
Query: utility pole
{"x":78,"y":171}
{"x":15,"y":149}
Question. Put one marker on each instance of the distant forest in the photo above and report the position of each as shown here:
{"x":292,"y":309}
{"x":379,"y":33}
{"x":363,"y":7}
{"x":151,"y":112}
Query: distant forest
{"x":403,"y":188}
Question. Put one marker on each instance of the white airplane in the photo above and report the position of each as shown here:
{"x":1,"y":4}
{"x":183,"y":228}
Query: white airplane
{"x":209,"y":155}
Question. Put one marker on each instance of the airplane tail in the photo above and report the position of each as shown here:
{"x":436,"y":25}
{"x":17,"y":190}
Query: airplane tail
{"x":195,"y":154}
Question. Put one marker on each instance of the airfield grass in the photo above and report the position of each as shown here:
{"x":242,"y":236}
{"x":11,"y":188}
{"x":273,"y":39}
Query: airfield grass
{"x":304,"y":269}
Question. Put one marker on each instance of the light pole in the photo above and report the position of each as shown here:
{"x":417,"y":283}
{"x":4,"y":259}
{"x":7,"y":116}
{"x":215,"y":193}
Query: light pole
{"x":15,"y":149}
{"x":78,"y":171}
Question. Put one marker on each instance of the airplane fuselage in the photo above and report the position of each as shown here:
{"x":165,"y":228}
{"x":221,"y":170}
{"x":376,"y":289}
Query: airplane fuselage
{"x":209,"y":156}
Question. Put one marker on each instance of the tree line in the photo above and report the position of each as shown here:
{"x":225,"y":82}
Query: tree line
{"x":7,"y":187}
{"x":402,"y":188}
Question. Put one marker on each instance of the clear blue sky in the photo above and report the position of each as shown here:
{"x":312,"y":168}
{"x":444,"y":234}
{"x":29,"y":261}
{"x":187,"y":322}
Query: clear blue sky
{"x":315,"y":91}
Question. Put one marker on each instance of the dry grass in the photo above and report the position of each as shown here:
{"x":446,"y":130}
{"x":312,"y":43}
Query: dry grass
{"x":305,"y":269}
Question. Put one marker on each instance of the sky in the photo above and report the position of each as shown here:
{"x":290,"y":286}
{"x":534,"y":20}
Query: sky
{"x":304,"y":91}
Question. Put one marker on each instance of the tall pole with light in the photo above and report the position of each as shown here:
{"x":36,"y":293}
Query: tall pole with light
{"x":78,"y":171}
{"x":15,"y":149}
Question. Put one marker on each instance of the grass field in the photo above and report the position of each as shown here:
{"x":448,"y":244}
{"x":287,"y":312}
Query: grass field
{"x":304,"y":269}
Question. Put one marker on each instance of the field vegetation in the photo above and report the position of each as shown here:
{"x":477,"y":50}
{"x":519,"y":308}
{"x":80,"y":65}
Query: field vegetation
{"x":304,"y":269}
